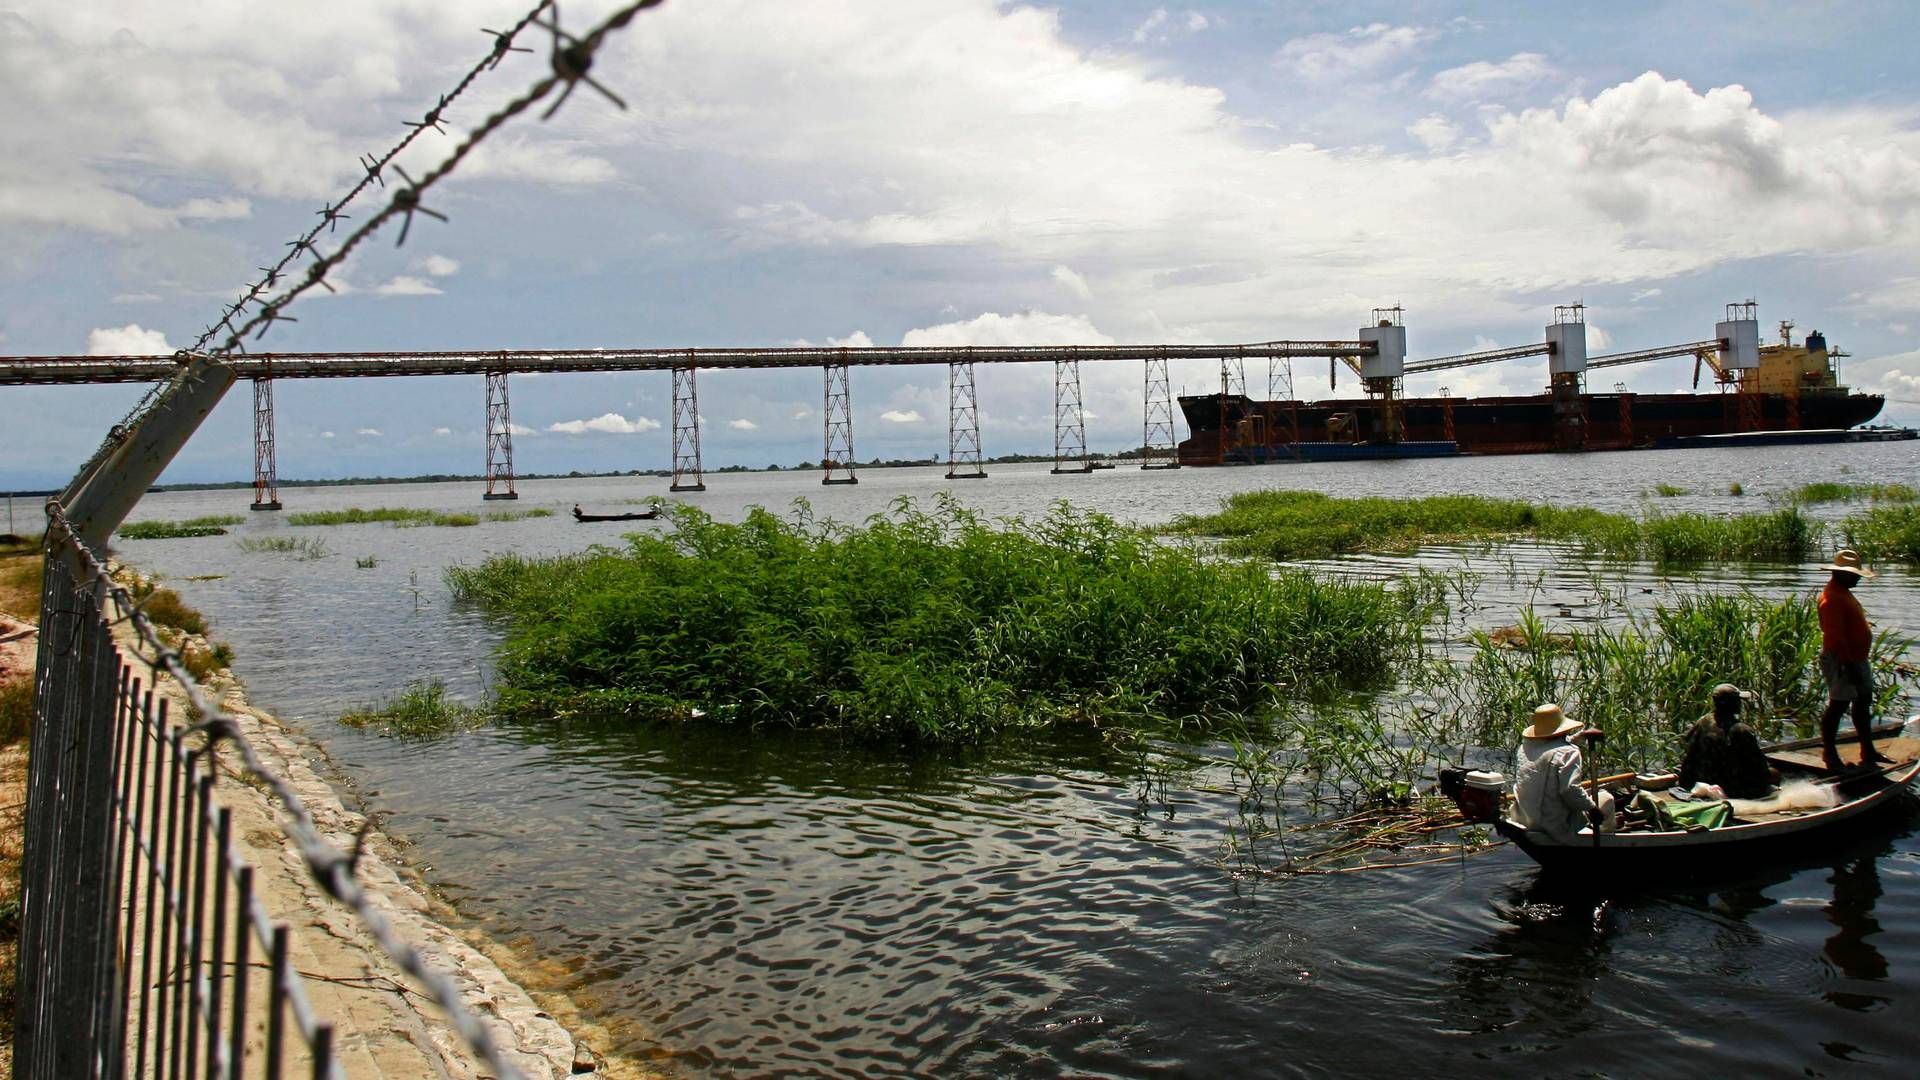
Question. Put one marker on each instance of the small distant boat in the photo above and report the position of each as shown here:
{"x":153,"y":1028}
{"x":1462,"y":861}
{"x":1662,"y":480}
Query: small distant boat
{"x":644,"y":515}
{"x":1639,"y":853}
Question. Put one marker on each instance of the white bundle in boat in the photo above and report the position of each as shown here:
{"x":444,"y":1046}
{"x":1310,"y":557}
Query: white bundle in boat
{"x":1798,"y":793}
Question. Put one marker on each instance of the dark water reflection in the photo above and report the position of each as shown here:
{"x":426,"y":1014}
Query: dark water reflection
{"x":784,"y":905}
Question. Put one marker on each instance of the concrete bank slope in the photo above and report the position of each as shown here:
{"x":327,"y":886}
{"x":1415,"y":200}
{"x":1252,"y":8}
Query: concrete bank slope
{"x":385,"y":1026}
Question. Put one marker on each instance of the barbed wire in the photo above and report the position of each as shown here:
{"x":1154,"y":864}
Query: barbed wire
{"x":331,"y":866}
{"x":571,"y":60}
{"x":330,"y":215}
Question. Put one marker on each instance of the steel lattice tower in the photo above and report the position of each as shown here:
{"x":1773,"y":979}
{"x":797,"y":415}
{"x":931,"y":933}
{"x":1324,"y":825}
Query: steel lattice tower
{"x":839,"y":427}
{"x":1280,"y":388}
{"x":686,"y":432}
{"x":1157,"y":447}
{"x":963,"y":424}
{"x":499,"y":439}
{"x":1069,"y":419}
{"x":266,"y":472}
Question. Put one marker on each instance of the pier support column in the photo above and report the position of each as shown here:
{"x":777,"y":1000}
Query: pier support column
{"x":266,"y":472}
{"x":1158,"y":449}
{"x":963,"y":424}
{"x":687,"y":475}
{"x":499,"y":440}
{"x":837,"y":460}
{"x":1069,"y":420}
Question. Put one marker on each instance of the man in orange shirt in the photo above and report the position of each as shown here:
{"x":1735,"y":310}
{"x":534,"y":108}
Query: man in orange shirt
{"x":1846,"y":643}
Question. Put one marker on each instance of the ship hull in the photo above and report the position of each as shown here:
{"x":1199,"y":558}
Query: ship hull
{"x":1539,"y":423}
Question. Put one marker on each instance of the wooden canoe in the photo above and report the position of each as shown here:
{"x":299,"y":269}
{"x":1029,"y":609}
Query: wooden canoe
{"x":1640,"y":854}
{"x":645,"y":515}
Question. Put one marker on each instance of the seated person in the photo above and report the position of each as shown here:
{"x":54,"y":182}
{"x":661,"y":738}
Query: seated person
{"x":1722,"y":750}
{"x":1547,"y":796}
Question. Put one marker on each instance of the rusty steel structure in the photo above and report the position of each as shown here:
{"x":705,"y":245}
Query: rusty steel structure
{"x":266,"y":473}
{"x":499,"y":440}
{"x":687,"y":475}
{"x":963,"y":424}
{"x":1069,"y":420}
{"x":1159,"y":444}
{"x":836,"y":459}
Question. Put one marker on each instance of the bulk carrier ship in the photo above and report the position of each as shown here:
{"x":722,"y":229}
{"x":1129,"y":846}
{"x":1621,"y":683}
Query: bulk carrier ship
{"x":1794,"y":389}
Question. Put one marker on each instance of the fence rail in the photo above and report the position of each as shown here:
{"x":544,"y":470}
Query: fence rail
{"x":140,"y":919}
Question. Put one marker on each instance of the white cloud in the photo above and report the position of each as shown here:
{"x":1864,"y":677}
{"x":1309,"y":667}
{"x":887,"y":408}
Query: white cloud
{"x":856,"y":340}
{"x":129,"y":340}
{"x":1160,"y":25}
{"x":136,"y":298}
{"x":1894,"y":296}
{"x":1434,"y":132}
{"x":1154,"y":21}
{"x":372,"y":433}
{"x":518,"y":430}
{"x":1327,"y":57}
{"x":606,"y":424}
{"x":443,"y":431}
{"x":907,"y":416}
{"x":1643,"y":294}
{"x":407,"y":285}
{"x":1072,"y":282}
{"x":743,"y":424}
{"x":1024,"y":328}
{"x":229,"y":209}
{"x":1597,"y":339}
{"x":1481,"y":80}
{"x":802,"y":413}
{"x":326,"y":434}
{"x":439,"y":266}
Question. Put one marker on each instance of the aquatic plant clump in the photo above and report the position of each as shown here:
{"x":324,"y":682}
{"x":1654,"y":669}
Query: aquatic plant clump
{"x":922,"y":626}
{"x":400,"y":517}
{"x":211,"y":525}
{"x":1308,"y":524}
{"x":422,"y":709}
{"x":1886,"y":533}
{"x":1835,"y":491}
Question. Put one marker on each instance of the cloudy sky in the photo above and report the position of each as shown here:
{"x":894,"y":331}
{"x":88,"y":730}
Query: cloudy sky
{"x":929,"y":171}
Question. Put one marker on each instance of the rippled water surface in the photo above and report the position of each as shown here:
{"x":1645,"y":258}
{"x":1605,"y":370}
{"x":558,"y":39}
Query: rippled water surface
{"x":783,"y":905}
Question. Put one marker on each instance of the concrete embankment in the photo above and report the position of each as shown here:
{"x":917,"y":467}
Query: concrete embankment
{"x":385,"y":1026}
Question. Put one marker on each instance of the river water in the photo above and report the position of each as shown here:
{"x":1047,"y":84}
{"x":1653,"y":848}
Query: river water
{"x":783,"y":905}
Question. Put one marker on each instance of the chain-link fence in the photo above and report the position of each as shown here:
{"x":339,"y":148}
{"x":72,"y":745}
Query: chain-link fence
{"x":145,"y":948}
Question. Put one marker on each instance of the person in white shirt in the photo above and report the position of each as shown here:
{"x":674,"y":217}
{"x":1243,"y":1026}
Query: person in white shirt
{"x":1547,"y":795}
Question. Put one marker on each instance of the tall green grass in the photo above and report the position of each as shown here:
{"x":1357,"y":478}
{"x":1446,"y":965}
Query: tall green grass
{"x":923,"y":626}
{"x":1833,"y":491}
{"x":305,"y":548}
{"x":1885,"y":532}
{"x":1308,"y":524}
{"x":421,"y":709}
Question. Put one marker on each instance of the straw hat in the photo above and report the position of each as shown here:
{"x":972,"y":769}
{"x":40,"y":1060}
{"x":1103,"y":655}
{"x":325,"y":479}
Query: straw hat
{"x":1847,"y":561}
{"x":1549,"y":722}
{"x":1727,"y":689}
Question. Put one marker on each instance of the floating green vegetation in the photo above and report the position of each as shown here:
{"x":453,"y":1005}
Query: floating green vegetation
{"x":1736,"y":489}
{"x":305,"y":548}
{"x":924,"y":626}
{"x":1668,"y":491}
{"x":212,"y":525}
{"x":1308,"y":524}
{"x":1885,"y":532}
{"x":401,"y":517}
{"x":367,"y":563}
{"x":1833,"y":491}
{"x":422,"y":709}
{"x":516,"y":515}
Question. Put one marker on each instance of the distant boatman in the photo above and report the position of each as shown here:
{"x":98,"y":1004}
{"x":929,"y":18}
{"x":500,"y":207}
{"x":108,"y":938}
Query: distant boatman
{"x":1547,"y":795}
{"x":1846,"y":644}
